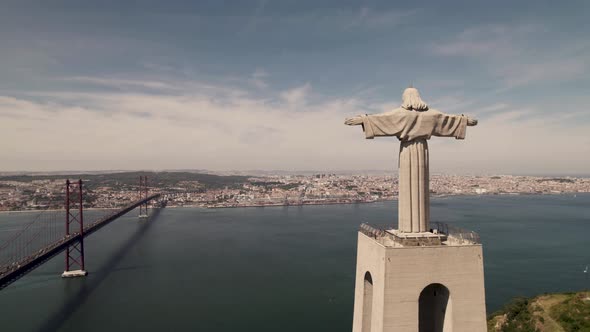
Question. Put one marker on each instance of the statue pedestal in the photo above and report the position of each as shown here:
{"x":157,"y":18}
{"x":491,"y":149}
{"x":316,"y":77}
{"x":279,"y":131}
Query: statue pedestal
{"x":418,"y":282}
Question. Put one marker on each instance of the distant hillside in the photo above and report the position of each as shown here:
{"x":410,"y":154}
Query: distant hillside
{"x":565,"y":312}
{"x":158,"y":179}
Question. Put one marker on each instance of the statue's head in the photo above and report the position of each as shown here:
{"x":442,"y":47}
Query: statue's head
{"x":411,"y":100}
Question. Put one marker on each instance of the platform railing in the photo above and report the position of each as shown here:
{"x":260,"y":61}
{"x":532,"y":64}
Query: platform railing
{"x":456,"y":234}
{"x":371,"y":231}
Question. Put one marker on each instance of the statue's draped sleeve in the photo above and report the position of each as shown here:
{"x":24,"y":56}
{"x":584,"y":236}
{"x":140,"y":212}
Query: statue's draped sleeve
{"x":384,"y":124}
{"x":410,"y":125}
{"x":448,"y":125}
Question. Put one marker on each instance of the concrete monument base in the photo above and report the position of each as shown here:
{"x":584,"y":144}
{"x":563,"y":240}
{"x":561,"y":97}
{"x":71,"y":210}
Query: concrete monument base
{"x":74,"y":274}
{"x":418,"y":287}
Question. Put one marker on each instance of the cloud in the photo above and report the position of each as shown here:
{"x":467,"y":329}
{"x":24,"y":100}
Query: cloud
{"x":217,"y":128}
{"x":119,"y":83}
{"x":134,"y":130}
{"x":490,"y":40}
{"x":259,"y":77}
{"x":507,"y":53}
{"x":323,"y":23}
{"x":253,"y":20}
{"x":298,"y":95}
{"x":557,"y":69}
{"x":522,"y":142}
{"x":373,"y":19}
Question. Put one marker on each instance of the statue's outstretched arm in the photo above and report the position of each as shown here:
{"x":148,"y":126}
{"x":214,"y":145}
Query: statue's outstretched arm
{"x":382,"y":124}
{"x":354,"y":121}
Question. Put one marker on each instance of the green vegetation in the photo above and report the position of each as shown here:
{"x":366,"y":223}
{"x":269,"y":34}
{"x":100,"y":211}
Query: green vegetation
{"x":573,"y":314}
{"x":158,"y":179}
{"x":289,"y":186}
{"x":275,"y":184}
{"x":544,"y":313}
{"x":266,"y":183}
{"x":560,"y":180}
{"x":515,"y":316}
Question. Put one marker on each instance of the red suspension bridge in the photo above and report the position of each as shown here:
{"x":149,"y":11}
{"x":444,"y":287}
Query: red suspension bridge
{"x":45,"y":235}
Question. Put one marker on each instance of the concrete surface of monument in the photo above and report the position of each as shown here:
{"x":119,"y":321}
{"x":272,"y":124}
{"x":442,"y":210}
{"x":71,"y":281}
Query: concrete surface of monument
{"x":419,"y":277}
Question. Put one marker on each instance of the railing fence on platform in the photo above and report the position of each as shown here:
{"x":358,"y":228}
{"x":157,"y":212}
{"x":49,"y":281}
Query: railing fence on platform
{"x":454,"y":234}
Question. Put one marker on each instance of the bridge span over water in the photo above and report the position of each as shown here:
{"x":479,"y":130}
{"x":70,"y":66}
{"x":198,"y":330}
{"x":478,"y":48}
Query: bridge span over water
{"x":33,"y":245}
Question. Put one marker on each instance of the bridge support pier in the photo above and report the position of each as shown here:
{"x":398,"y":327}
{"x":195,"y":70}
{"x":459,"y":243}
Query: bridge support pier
{"x":75,"y":215}
{"x":73,"y":274}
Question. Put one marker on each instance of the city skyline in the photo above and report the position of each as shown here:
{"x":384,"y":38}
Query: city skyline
{"x":261,"y":85}
{"x":21,"y":193}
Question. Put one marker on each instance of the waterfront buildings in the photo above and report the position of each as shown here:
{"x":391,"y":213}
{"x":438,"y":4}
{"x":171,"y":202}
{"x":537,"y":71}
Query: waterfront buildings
{"x":31,"y":194}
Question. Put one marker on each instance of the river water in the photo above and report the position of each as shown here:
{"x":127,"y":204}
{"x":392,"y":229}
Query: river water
{"x":280,"y":268}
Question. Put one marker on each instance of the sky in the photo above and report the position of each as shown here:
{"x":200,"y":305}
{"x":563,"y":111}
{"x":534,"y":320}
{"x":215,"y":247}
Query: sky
{"x":266,"y":85}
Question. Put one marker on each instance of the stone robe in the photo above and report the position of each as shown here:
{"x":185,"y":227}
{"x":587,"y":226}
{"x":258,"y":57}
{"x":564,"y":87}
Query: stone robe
{"x":413,"y":128}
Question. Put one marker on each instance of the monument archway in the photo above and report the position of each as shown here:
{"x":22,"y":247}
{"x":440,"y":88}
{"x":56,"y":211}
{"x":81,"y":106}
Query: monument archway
{"x":367,"y":302}
{"x":435,"y":309}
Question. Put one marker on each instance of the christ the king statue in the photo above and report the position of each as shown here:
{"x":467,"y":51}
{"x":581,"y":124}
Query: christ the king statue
{"x":413,"y":124}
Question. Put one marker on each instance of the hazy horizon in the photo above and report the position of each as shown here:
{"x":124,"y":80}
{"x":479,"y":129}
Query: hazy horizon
{"x":257,"y":172}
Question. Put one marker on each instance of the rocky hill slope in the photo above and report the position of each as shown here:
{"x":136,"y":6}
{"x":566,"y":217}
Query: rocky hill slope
{"x":564,"y":312}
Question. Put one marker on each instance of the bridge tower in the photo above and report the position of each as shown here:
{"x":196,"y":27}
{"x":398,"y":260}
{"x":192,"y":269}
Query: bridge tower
{"x":143,"y":194}
{"x":74,"y":219}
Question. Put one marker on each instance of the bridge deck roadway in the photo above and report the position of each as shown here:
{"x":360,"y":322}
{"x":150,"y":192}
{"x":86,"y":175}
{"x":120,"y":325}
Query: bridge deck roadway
{"x":11,"y":273}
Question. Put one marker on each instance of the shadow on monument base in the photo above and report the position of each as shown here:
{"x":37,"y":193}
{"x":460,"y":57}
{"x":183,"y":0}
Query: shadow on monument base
{"x":435,"y":313}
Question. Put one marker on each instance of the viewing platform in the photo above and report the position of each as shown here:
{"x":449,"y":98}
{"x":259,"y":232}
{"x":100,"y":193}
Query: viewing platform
{"x":440,"y":234}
